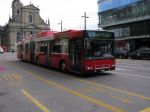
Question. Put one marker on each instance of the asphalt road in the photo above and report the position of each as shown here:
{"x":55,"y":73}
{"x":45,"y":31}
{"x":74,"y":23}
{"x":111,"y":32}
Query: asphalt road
{"x":25,"y":87}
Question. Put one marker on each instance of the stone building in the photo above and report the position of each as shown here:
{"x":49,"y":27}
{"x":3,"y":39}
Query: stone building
{"x":25,"y":21}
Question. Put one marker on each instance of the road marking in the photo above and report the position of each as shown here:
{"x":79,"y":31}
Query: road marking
{"x":5,"y":77}
{"x":111,"y":88}
{"x":134,"y":67}
{"x":115,"y":89}
{"x":122,"y":69}
{"x":145,"y":110}
{"x":121,"y":99}
{"x":132,"y":75}
{"x":88,"y":98}
{"x":18,"y":76}
{"x":104,"y":86}
{"x":90,"y":89}
{"x":68,"y":90}
{"x":33,"y":100}
{"x":11,"y":77}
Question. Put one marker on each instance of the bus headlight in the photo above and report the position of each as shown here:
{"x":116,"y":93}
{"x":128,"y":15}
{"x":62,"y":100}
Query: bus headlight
{"x":113,"y":65}
{"x":89,"y":68}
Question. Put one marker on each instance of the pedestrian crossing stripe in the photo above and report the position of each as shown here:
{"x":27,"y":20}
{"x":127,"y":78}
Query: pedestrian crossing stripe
{"x":11,"y":77}
{"x":17,"y":76}
{"x":145,"y":110}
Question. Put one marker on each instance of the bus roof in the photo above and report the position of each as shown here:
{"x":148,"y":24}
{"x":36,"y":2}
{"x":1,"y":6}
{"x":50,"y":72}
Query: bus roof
{"x":69,"y":34}
{"x":45,"y":34}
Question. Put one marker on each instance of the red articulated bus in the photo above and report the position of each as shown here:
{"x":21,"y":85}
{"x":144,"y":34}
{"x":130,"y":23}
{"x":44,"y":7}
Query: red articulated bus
{"x":36,"y":48}
{"x":80,"y":51}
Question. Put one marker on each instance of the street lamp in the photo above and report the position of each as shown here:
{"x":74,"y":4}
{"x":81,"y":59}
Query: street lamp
{"x":60,"y":24}
{"x":85,"y":20}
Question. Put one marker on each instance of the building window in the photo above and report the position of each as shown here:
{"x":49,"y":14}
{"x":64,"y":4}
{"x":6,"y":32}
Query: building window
{"x":18,"y":36}
{"x":30,"y":19}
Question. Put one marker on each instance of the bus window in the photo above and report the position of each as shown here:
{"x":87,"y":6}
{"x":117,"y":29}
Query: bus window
{"x":43,"y":47}
{"x":64,"y":44}
{"x":94,"y":48}
{"x":57,"y":48}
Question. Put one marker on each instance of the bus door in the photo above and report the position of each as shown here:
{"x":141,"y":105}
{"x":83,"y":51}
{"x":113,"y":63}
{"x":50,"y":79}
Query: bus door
{"x":48,"y":57}
{"x":75,"y":54}
{"x":47,"y":52}
{"x":32,"y":49}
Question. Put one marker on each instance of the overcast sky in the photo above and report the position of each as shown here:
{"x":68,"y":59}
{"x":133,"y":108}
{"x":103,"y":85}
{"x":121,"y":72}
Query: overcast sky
{"x":69,"y":11}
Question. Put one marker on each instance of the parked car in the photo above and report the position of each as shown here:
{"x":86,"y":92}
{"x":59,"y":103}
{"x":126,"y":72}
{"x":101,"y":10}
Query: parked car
{"x":122,"y":53}
{"x":142,"y":53}
{"x":1,"y":50}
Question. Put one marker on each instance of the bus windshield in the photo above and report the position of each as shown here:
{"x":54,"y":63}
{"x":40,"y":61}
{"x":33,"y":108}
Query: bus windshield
{"x":98,"y":48}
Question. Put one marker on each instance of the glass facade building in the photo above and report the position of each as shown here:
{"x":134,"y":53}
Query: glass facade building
{"x":105,"y":5}
{"x":128,"y":19}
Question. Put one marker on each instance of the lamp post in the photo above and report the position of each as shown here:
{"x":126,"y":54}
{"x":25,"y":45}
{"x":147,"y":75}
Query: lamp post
{"x":85,"y":20}
{"x":60,"y":24}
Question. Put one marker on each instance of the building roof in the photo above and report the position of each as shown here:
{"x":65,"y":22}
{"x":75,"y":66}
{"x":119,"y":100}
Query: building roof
{"x":31,"y":6}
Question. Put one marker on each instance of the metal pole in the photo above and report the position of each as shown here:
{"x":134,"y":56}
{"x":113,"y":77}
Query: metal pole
{"x":60,"y":25}
{"x":85,"y":20}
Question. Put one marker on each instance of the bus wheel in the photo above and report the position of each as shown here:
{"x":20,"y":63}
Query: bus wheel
{"x":63,"y":66}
